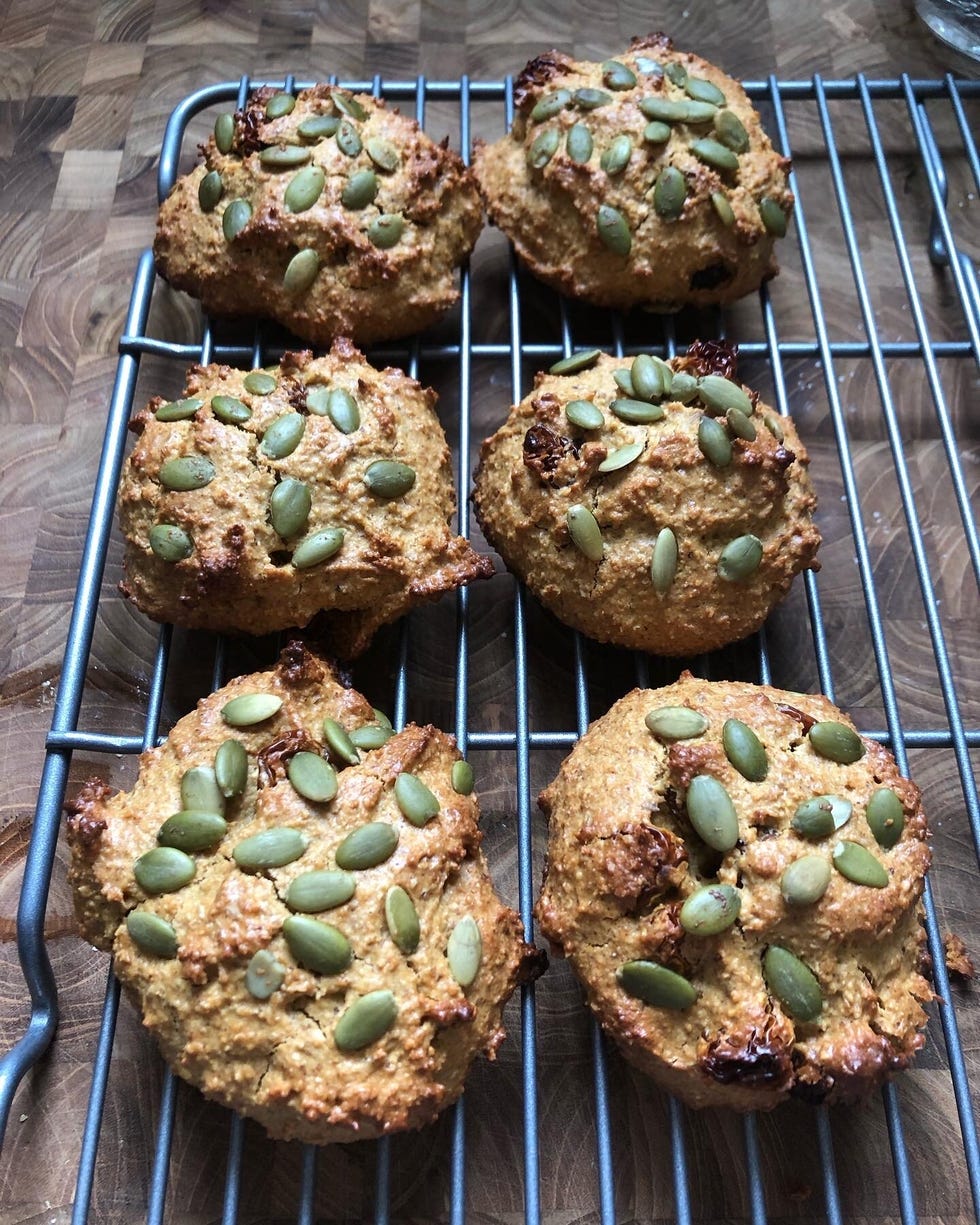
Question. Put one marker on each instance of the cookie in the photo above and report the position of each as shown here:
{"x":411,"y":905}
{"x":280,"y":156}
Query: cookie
{"x":656,"y":505}
{"x":735,"y":876}
{"x":308,"y":928}
{"x":325,"y":211}
{"x":261,"y":497}
{"x":645,"y":180}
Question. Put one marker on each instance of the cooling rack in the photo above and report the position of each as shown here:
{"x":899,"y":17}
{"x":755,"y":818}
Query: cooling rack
{"x":870,"y":336}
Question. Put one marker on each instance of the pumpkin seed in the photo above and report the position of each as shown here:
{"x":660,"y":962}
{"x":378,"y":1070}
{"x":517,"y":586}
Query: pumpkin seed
{"x":230,"y":410}
{"x":731,"y":132}
{"x":382,"y":718}
{"x":383,"y":153}
{"x":744,"y":750}
{"x":712,"y":813}
{"x":666,"y":373}
{"x":278,"y":105}
{"x":663,"y":561}
{"x":740,"y":558}
{"x":677,"y":73}
{"x":647,"y":378}
{"x":657,"y":133}
{"x":857,"y":864}
{"x":656,"y":985}
{"x":231,"y":768}
{"x":210,"y":191}
{"x":347,"y":138}
{"x":677,"y":110}
{"x":151,"y":934}
{"x":704,"y":91}
{"x":462,"y":777}
{"x":683,"y":387}
{"x":163,"y":870}
{"x":316,"y":945}
{"x":793,"y":983}
{"x":178,"y":410}
{"x":805,"y":880}
{"x":649,"y":67}
{"x":724,"y":210}
{"x":186,"y":473}
{"x":199,"y":790}
{"x":464,"y":951}
{"x":365,"y":1021}
{"x":312,"y":777}
{"x":714,"y":153}
{"x":386,"y":478}
{"x":272,"y":848}
{"x":836,"y":741}
{"x":303,"y":189}
{"x":613,"y":230}
{"x":341,"y":408}
{"x":669,"y":193}
{"x":886,"y":817}
{"x":740,"y":425}
{"x":367,"y":846}
{"x":773,"y":217}
{"x":192,"y":830}
{"x":317,"y":399}
{"x":415,"y":800}
{"x":169,"y":542}
{"x":317,"y":127}
{"x":584,"y":414}
{"x":224,"y":132}
{"x":773,"y":426}
{"x":317,"y":548}
{"x":714,"y":443}
{"x":348,"y":104}
{"x":616,"y":157}
{"x":624,"y":382}
{"x":289,"y":507}
{"x":260,"y":382}
{"x":590,"y":99}
{"x":814,"y":818}
{"x":235,"y":218}
{"x":550,"y":105}
{"x":264,"y":975}
{"x":617,"y":76}
{"x":372,"y":736}
{"x":621,"y":457}
{"x":385,"y":231}
{"x":402,"y":919}
{"x":578,"y":143}
{"x":250,"y":708}
{"x":543,"y":148}
{"x":584,"y":530}
{"x":710,"y":910}
{"x":283,"y":435}
{"x":283,"y":157}
{"x":676,"y":722}
{"x":301,"y":271}
{"x":359,"y":190}
{"x":339,"y":742}
{"x":578,"y":361}
{"x":312,"y":892}
{"x":637,"y":412}
{"x":719,"y":394}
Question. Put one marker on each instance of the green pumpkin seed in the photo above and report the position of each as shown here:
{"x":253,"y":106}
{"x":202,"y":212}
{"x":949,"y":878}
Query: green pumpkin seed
{"x":857,"y":864}
{"x":719,"y":394}
{"x":462,"y":777}
{"x":250,"y":708}
{"x":224,"y":132}
{"x":814,"y":818}
{"x":617,"y":76}
{"x":343,"y":411}
{"x":773,"y":426}
{"x":199,"y":790}
{"x":677,"y":110}
{"x":793,"y":983}
{"x":303,"y":189}
{"x":279,"y":105}
{"x":805,"y":881}
{"x":151,"y":934}
{"x":621,"y":457}
{"x":283,"y":435}
{"x":578,"y":361}
{"x":415,"y":800}
{"x":714,"y":153}
{"x":230,"y":410}
{"x":169,"y":542}
{"x":192,"y":830}
{"x":373,"y":736}
{"x":656,"y":985}
{"x":312,"y":892}
{"x":317,"y":399}
{"x":731,"y":132}
{"x":301,"y":271}
{"x":386,"y":478}
{"x":683,"y":387}
{"x":584,"y":414}
{"x":283,"y":157}
{"x":744,"y":750}
{"x":186,"y":473}
{"x":647,"y":378}
{"x":316,"y":945}
{"x":382,"y":718}
{"x":714,"y":443}
{"x":289,"y":507}
{"x":264,"y":975}
{"x":590,"y":99}
{"x":543,"y":148}
{"x":317,"y":548}
{"x":550,"y":105}
{"x":886,"y":817}
{"x":648,"y":66}
{"x":837,"y":742}
{"x":710,"y":910}
{"x":616,"y":157}
{"x":365,"y":1021}
{"x":359,"y":190}
{"x":578,"y":143}
{"x":339,"y":742}
{"x":312,"y":777}
{"x":163,"y":870}
{"x":722,"y":207}
{"x":235,"y":218}
{"x":210,"y":191}
{"x":349,"y":105}
{"x":231,"y":768}
{"x":367,"y":846}
{"x":637,"y":412}
{"x":676,"y":73}
{"x":260,"y":382}
{"x":383,"y":153}
{"x":669,"y":193}
{"x":704,"y":91}
{"x":178,"y":410}
{"x":740,"y":425}
{"x":584,"y":530}
{"x":402,"y":919}
{"x":318,"y":127}
{"x":840,"y":809}
{"x":385,"y":231}
{"x":740,"y":558}
{"x":348,"y":140}
{"x":773,"y":217}
{"x":663,"y":561}
{"x":657,"y":133}
{"x":464,"y":951}
{"x":272,"y":848}
{"x":676,"y":722}
{"x":712,"y":813}
{"x":613,"y":230}
{"x":624,"y":381}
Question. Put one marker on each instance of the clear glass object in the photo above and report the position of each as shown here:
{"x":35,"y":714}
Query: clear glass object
{"x":956,"y":22}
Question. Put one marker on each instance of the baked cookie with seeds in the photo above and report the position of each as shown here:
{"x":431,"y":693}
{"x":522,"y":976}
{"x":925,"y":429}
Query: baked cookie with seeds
{"x":735,"y":875}
{"x":307,"y":927}
{"x":259,"y":498}
{"x":325,"y":211}
{"x":656,"y":505}
{"x":646,"y":180}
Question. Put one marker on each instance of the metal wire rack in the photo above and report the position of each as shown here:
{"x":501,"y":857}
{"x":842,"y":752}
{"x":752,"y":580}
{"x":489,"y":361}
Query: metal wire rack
{"x":935,"y":140}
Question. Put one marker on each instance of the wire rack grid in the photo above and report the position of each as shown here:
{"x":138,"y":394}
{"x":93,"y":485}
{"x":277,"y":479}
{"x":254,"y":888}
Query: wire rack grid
{"x":935,"y":118}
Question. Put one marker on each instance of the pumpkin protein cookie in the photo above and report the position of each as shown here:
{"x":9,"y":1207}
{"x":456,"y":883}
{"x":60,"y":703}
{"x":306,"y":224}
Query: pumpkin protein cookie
{"x":325,"y":211}
{"x":735,"y":875}
{"x":260,"y":498}
{"x":655,"y":505}
{"x":645,"y":180}
{"x":296,"y":901}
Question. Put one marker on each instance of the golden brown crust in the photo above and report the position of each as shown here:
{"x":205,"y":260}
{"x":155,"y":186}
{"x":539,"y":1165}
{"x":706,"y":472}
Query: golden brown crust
{"x":550,"y":213}
{"x":396,"y":552}
{"x":361,"y":290}
{"x":275,"y":1059}
{"x":538,"y":465}
{"x":736,"y":1045}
